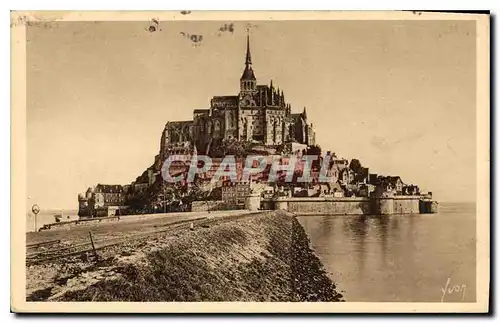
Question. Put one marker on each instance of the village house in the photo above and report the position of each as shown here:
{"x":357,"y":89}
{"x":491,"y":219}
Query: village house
{"x":411,"y":190}
{"x":397,"y":184}
{"x":235,"y":193}
{"x":103,"y":200}
{"x":392,"y":185}
{"x":347,"y":176}
{"x":108,"y":195}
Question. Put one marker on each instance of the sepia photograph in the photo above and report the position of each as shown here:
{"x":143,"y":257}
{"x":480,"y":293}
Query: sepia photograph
{"x":250,"y":162}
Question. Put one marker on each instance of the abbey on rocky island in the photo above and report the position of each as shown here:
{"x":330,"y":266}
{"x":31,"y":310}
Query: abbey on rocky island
{"x":257,"y":120}
{"x":258,"y":114}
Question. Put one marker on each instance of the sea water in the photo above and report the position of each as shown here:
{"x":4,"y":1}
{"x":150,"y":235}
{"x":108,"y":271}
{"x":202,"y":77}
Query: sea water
{"x":406,"y":258}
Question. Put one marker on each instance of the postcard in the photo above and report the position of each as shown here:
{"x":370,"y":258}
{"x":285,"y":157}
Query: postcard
{"x":242,"y":162}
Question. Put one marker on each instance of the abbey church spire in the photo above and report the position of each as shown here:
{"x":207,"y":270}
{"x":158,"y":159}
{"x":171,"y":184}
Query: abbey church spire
{"x":248,"y":60}
{"x":248,"y":80}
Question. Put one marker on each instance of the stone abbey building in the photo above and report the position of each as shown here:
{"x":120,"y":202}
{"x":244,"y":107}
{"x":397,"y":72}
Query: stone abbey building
{"x":257,"y":114}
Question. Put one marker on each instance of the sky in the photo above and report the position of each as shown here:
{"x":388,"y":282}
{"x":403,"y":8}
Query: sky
{"x":397,"y":95}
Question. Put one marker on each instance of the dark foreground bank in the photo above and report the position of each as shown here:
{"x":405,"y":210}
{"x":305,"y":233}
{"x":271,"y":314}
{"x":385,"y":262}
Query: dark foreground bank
{"x":264,"y":257}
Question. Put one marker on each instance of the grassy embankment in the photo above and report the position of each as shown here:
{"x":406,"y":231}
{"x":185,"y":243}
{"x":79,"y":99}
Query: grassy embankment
{"x":259,"y":258}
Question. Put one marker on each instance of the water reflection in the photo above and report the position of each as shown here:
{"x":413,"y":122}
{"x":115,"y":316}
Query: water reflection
{"x":397,"y":258}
